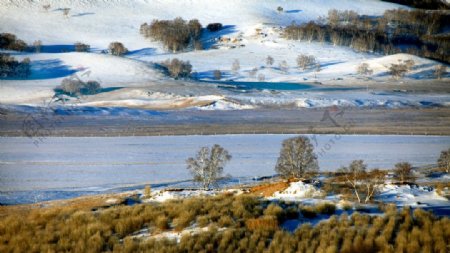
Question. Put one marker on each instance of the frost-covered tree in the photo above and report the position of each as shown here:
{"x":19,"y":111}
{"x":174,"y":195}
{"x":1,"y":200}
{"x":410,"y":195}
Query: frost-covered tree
{"x":207,"y":166}
{"x":297,"y":158}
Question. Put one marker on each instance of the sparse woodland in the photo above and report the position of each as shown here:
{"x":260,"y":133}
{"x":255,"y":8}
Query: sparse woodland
{"x":417,"y":32}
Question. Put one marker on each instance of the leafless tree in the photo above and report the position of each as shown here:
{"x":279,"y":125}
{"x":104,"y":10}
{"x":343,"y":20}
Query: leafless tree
{"x":269,"y":60}
{"x":46,"y":7}
{"x":236,"y":66}
{"x":297,"y":158}
{"x":207,"y":166}
{"x":361,"y":181}
{"x":403,"y":171}
{"x":81,"y":47}
{"x":37,"y":46}
{"x":261,"y":77}
{"x":66,"y":12}
{"x":284,"y":67}
{"x":398,"y":70}
{"x":444,"y":160}
{"x":252,"y":72}
{"x":178,"y":68}
{"x":363,"y":69}
{"x":439,"y":71}
{"x":306,"y":61}
{"x":217,"y":74}
{"x":117,"y":48}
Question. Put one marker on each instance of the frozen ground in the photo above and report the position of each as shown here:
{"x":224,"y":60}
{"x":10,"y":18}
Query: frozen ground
{"x":254,"y":23}
{"x":68,"y":167}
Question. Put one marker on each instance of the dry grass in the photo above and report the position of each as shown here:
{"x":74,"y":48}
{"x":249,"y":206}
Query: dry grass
{"x":269,"y":189}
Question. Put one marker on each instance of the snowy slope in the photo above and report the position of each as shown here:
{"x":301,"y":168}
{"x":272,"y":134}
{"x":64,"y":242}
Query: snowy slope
{"x":99,"y":22}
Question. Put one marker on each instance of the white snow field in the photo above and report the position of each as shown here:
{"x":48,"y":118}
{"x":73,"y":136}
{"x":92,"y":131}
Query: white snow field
{"x":65,"y":167}
{"x":98,"y":23}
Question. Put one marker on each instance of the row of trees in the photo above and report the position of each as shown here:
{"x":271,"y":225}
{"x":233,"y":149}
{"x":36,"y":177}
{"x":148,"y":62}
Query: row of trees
{"x":9,"y":41}
{"x":176,"y":35}
{"x":298,"y":160}
{"x":74,"y":86}
{"x":416,"y":32}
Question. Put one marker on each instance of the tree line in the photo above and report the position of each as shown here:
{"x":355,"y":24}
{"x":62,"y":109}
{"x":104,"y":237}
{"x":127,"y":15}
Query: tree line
{"x":418,"y":32}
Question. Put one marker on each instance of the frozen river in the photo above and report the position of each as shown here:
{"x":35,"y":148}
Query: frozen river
{"x":73,"y":166}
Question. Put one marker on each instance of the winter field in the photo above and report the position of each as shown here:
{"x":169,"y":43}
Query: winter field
{"x":69,"y":167}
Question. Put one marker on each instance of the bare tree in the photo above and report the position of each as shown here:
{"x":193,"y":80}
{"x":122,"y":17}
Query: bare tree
{"x":37,"y":46}
{"x":398,"y":70}
{"x":439,"y":71}
{"x":261,"y":77}
{"x":207,"y":166}
{"x":363,"y":69}
{"x":81,"y":47}
{"x":361,"y":181}
{"x":236,"y":66}
{"x":269,"y":60}
{"x":297,"y":158}
{"x":46,"y":7}
{"x":117,"y":48}
{"x":444,"y":160}
{"x":217,"y":74}
{"x":403,"y":171}
{"x":66,"y":12}
{"x":306,"y":61}
{"x":284,"y":67}
{"x":252,"y":72}
{"x":178,"y":68}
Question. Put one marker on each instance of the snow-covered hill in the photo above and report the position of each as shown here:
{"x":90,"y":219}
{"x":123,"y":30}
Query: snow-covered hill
{"x":254,"y":24}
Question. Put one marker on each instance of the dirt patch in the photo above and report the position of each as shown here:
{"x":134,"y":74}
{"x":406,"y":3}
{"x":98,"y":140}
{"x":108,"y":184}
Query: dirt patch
{"x":269,"y":189}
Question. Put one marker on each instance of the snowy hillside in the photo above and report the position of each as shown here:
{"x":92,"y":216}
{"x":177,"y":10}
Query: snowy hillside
{"x":254,"y":24}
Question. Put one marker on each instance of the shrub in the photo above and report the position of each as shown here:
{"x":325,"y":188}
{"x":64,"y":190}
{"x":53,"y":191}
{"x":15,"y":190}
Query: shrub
{"x":261,"y":77}
{"x":175,"y":34}
{"x":177,"y":68}
{"x":308,"y":212}
{"x":363,"y":69}
{"x":236,"y":66}
{"x":117,"y":48}
{"x":81,"y":47}
{"x":214,"y":27}
{"x":147,"y":191}
{"x":439,"y":71}
{"x":280,"y":9}
{"x":269,"y":60}
{"x":10,"y":67}
{"x":37,"y":46}
{"x":91,"y":87}
{"x":9,"y":41}
{"x":326,"y":208}
{"x":263,"y":223}
{"x":162,"y":222}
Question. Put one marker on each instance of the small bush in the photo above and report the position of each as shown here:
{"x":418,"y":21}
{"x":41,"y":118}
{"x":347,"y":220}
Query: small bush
{"x":214,"y":27}
{"x":162,"y":223}
{"x":117,"y":48}
{"x":9,"y":41}
{"x":326,"y":208}
{"x":81,"y":47}
{"x":308,"y":212}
